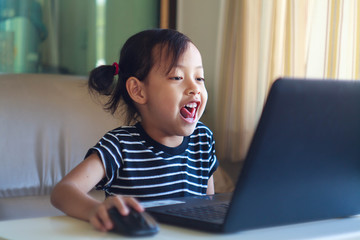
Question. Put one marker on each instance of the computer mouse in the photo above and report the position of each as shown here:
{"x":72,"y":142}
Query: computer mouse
{"x":134,"y":224}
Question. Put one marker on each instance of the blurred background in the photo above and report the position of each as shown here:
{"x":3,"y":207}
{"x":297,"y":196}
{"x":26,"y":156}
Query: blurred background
{"x":66,"y":36}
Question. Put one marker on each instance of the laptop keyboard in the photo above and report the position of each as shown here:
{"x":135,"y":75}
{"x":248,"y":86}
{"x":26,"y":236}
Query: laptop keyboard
{"x":217,"y":211}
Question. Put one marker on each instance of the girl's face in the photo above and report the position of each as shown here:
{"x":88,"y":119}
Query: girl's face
{"x":175,"y":101}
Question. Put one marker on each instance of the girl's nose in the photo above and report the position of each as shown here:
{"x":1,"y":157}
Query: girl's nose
{"x":193,"y":88}
{"x":193,"y":91}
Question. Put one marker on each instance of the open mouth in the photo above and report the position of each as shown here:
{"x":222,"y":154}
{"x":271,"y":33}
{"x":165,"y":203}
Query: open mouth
{"x":189,"y":110}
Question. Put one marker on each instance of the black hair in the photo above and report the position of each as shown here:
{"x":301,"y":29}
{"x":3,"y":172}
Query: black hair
{"x":136,"y":60}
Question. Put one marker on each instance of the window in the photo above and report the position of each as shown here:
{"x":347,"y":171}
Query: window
{"x":66,"y":36}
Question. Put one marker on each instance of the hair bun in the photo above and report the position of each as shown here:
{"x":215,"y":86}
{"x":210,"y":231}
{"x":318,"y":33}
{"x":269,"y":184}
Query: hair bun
{"x":101,"y":79}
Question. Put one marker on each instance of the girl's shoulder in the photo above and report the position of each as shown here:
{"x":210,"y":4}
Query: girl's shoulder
{"x":130,"y":128}
{"x":202,"y":129}
{"x":124,"y":132}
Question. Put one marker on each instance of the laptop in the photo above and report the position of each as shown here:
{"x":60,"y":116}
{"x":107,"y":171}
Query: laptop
{"x":303,"y":164}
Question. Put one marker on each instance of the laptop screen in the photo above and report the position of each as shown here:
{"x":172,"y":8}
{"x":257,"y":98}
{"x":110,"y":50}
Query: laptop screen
{"x":304,"y":161}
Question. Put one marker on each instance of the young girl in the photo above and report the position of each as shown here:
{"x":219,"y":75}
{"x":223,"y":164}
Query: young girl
{"x":167,"y":152}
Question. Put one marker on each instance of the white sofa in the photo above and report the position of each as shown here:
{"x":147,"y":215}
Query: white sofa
{"x":47,"y":123}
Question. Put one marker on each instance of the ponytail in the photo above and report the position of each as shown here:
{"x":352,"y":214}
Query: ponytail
{"x":102,"y":80}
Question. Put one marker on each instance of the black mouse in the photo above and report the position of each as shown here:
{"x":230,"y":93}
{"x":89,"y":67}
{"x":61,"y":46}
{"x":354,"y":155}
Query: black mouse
{"x":134,"y":224}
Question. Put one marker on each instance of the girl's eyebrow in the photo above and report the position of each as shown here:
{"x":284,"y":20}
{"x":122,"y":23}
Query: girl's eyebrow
{"x":182,"y":66}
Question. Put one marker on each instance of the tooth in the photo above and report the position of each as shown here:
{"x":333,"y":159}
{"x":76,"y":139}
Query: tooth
{"x":191,"y":105}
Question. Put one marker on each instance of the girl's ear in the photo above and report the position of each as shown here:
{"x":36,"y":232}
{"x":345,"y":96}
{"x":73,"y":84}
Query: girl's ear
{"x":136,"y":90}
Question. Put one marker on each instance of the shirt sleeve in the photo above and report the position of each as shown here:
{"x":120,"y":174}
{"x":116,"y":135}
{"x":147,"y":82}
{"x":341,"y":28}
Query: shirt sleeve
{"x":213,"y":160}
{"x":108,"y":150}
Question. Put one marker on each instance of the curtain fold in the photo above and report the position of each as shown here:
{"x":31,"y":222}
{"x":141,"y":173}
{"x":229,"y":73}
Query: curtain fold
{"x":264,"y":40}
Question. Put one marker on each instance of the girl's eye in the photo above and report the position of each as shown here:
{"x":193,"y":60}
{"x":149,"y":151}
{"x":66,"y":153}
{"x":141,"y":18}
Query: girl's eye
{"x":176,"y":78}
{"x":200,"y":79}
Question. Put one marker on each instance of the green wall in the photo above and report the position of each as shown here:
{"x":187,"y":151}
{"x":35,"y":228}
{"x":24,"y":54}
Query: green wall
{"x":125,"y":18}
{"x":79,"y":32}
{"x":78,"y":40}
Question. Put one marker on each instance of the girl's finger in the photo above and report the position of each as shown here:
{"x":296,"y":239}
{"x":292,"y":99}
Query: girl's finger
{"x":121,"y":205}
{"x":135,"y":204}
{"x":104,"y":218}
{"x":97,"y":224}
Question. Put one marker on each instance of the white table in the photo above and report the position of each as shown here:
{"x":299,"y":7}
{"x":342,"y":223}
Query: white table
{"x":64,"y":227}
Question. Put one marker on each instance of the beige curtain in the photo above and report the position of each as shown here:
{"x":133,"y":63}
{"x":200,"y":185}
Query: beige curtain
{"x":266,"y":39}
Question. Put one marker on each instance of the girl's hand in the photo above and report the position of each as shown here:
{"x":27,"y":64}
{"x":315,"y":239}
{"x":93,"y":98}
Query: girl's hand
{"x":99,"y":217}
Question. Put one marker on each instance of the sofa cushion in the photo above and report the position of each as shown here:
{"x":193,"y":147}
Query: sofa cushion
{"x":47,"y":124}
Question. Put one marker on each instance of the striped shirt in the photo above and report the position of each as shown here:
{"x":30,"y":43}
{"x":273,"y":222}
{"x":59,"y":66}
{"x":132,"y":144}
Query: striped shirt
{"x":138,"y":166}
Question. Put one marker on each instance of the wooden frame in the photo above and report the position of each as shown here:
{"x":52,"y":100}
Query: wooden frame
{"x":168,"y":14}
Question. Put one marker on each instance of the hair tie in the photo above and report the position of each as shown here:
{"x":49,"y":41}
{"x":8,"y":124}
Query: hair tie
{"x":116,"y":65}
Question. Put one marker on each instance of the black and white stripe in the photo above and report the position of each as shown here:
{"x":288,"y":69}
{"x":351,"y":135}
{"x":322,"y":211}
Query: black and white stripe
{"x":138,"y":166}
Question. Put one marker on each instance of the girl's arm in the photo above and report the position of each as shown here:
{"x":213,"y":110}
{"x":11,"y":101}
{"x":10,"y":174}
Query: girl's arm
{"x":211,"y":188}
{"x":70,"y":195}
